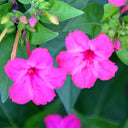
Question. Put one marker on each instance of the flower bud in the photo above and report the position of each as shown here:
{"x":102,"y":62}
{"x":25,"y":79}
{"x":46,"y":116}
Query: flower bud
{"x":5,"y":20}
{"x":23,"y":19}
{"x":52,"y":18}
{"x":117,"y":44}
{"x":33,"y":20}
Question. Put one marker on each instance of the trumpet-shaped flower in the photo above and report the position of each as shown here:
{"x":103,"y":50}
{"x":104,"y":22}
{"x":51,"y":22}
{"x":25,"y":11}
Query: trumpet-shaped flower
{"x":34,"y":79}
{"x":117,"y":3}
{"x":56,"y":121}
{"x":86,"y":60}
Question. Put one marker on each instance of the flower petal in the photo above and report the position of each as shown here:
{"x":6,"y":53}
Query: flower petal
{"x":16,"y":68}
{"x":106,"y":69}
{"x":21,"y":91}
{"x":84,"y":78}
{"x":41,"y":93}
{"x":53,"y":121}
{"x":77,"y":41}
{"x":53,"y":77}
{"x":40,"y":58}
{"x":102,"y":46}
{"x":71,"y":121}
{"x":117,"y":3}
{"x":70,"y":62}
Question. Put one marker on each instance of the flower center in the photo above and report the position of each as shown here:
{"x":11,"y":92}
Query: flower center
{"x":31,"y":71}
{"x":88,"y":55}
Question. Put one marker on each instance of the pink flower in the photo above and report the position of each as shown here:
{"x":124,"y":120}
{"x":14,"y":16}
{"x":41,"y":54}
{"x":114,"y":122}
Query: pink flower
{"x":86,"y":60}
{"x":23,"y":19}
{"x":33,"y":20}
{"x":117,"y":3}
{"x":56,"y":121}
{"x":34,"y":79}
{"x":117,"y":44}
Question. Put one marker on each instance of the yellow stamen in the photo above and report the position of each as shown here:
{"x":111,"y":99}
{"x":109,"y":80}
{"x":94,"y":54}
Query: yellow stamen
{"x":13,"y":54}
{"x":3,"y":34}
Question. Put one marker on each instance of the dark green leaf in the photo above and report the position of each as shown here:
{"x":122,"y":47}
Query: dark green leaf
{"x":4,"y":9}
{"x":25,"y":1}
{"x":125,"y":125}
{"x":89,"y":22}
{"x":96,"y":122}
{"x":68,"y":94}
{"x":41,"y":35}
{"x":62,"y":10}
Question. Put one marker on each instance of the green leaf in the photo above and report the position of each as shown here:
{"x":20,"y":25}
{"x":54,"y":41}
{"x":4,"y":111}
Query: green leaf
{"x":68,"y":94}
{"x":79,"y":3}
{"x":25,"y":1}
{"x":123,"y":54}
{"x":62,"y":10}
{"x":95,"y":122}
{"x":3,"y":1}
{"x":41,"y":35}
{"x":109,"y":11}
{"x":4,"y":9}
{"x":89,"y":22}
{"x":125,"y":125}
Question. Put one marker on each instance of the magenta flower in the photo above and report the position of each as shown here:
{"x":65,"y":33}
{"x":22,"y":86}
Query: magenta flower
{"x":33,"y":20}
{"x":117,"y":3}
{"x":34,"y":79}
{"x":56,"y":121}
{"x":117,"y":44}
{"x":86,"y":60}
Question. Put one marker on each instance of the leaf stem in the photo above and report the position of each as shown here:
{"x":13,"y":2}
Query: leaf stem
{"x":120,"y":18}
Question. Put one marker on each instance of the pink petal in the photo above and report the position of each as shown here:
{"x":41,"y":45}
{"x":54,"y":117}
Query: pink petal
{"x":40,"y":58}
{"x":77,"y":41}
{"x":85,"y":78}
{"x":117,"y":3}
{"x":102,"y":46}
{"x":106,"y":69}
{"x":41,"y":93}
{"x":21,"y":91}
{"x":71,"y":121}
{"x":33,"y":20}
{"x":69,"y":61}
{"x":53,"y":121}
{"x":53,"y":77}
{"x":16,"y":68}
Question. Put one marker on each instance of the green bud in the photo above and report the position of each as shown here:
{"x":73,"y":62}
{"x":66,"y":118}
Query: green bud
{"x":29,"y":28}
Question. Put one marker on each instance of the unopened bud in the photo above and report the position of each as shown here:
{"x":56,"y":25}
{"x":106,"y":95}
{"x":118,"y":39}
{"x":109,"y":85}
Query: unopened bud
{"x":5,"y":20}
{"x":14,"y":19}
{"x":23,"y":19}
{"x":52,"y":18}
{"x":39,"y":12}
{"x":33,"y":20}
{"x":117,"y":44}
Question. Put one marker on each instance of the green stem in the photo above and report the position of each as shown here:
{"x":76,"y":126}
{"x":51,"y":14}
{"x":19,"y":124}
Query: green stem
{"x":8,"y":116}
{"x":28,"y":11}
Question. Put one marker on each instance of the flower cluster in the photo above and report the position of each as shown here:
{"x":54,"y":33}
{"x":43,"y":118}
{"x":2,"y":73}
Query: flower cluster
{"x":86,"y":60}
